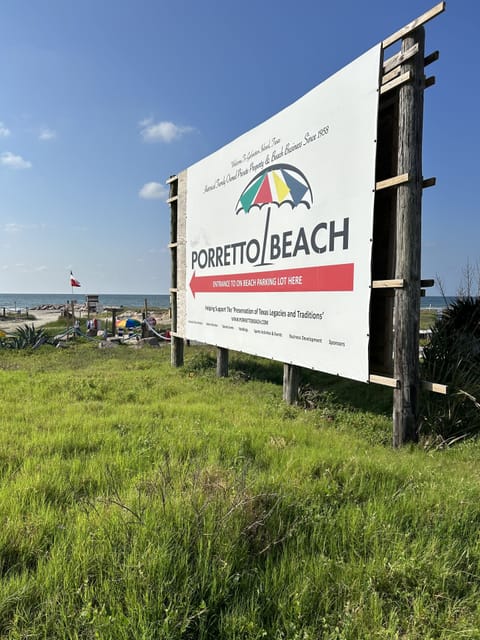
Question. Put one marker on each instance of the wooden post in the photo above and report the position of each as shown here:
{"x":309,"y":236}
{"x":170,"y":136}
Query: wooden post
{"x":222,"y":362}
{"x":291,"y":382}
{"x":176,"y":343}
{"x":145,"y":330}
{"x":114,"y":322}
{"x":408,"y":244}
{"x":177,"y":351}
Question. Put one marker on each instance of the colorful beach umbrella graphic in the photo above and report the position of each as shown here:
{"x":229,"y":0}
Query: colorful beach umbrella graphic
{"x":279,"y":184}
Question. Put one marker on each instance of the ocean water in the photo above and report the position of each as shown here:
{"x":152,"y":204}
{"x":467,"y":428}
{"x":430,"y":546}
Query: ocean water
{"x":19,"y":301}
{"x":436,"y":302}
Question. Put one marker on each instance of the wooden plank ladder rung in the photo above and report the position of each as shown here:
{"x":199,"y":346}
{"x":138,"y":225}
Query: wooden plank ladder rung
{"x":392,"y":182}
{"x":399,"y":283}
{"x":394,"y":383}
{"x":399,"y":58}
{"x":391,"y":75}
{"x":430,"y":81}
{"x":433,"y":57}
{"x":172,"y":245}
{"x":411,"y":26}
{"x":405,"y":77}
{"x":383,"y":380}
{"x":172,"y":199}
{"x":427,"y":283}
{"x":429,"y":182}
{"x":171,"y":179}
{"x":391,"y":67}
{"x":435,"y":387}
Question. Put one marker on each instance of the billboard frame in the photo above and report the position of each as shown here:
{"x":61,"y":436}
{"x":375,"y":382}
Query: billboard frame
{"x":396,"y":285}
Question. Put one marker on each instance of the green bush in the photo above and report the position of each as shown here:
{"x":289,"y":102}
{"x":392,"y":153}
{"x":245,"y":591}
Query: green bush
{"x":452,"y":357}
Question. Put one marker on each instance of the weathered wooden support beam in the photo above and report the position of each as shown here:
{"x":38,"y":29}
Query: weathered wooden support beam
{"x":291,"y":383}
{"x":176,"y":345}
{"x":176,"y":342}
{"x":408,"y":242}
{"x":429,"y":182}
{"x":114,"y":322}
{"x":222,"y":362}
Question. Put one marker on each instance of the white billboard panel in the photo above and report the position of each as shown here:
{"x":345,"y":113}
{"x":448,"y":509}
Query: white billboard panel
{"x":279,"y":226}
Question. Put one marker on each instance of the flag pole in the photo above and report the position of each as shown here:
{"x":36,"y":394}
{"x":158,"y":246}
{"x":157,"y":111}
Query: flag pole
{"x":71,"y":302}
{"x":73,"y":283}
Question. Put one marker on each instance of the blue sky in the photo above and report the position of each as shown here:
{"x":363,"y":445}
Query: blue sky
{"x":102,"y":100}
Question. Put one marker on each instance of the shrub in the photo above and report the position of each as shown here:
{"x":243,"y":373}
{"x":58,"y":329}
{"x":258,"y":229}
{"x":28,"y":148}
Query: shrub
{"x":26,"y":336}
{"x":452,"y":357}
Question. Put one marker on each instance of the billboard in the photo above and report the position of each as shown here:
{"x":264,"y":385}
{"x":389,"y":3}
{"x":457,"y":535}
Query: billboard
{"x":278,"y":230}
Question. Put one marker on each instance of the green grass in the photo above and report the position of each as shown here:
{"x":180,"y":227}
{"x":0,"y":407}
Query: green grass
{"x":428,"y":318}
{"x":142,"y":501}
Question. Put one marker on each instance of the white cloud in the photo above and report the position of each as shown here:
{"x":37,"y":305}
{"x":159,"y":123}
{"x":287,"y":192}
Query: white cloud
{"x":153,"y":191}
{"x":162,"y":131}
{"x":21,"y":267}
{"x":14,"y":227}
{"x":4,"y":131}
{"x":47,"y":134}
{"x":8,"y":159}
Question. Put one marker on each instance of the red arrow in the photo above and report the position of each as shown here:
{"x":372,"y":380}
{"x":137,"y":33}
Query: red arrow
{"x":335,"y":277}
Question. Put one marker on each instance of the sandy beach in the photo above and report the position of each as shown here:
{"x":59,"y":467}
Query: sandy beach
{"x":42,"y":317}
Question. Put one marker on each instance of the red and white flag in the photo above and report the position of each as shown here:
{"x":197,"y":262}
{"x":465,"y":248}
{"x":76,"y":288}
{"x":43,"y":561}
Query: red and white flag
{"x":73,"y":281}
